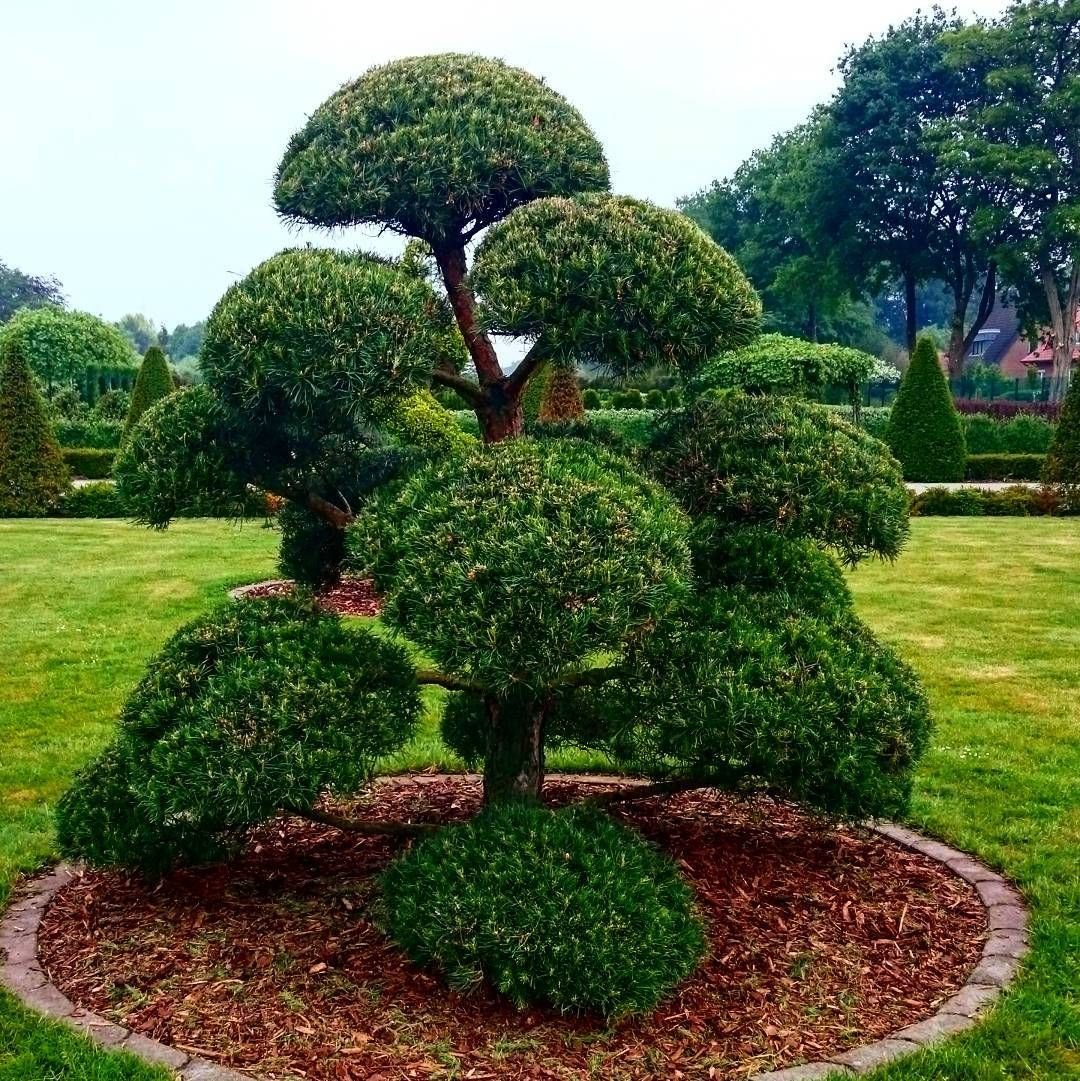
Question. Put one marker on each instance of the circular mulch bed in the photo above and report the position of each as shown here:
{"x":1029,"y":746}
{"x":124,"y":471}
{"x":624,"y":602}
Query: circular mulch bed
{"x":821,"y":938}
{"x":350,"y":597}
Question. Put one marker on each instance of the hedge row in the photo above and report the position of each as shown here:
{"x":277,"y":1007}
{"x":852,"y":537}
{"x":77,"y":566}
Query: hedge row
{"x":1004,"y":466}
{"x":100,"y":500}
{"x":93,"y":463}
{"x":101,"y":434}
{"x":604,"y":425}
{"x":1003,"y":410}
{"x":975,"y":502}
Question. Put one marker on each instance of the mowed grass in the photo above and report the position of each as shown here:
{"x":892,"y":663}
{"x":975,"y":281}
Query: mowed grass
{"x":987,"y":610}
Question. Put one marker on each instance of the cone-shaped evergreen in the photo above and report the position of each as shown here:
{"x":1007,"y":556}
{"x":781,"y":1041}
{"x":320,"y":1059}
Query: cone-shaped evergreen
{"x":1062,"y":464}
{"x":533,"y":397}
{"x":32,"y":471}
{"x":154,"y":381}
{"x":924,"y":430}
{"x":561,"y":399}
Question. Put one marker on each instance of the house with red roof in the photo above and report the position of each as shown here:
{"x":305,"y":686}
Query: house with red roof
{"x":1042,"y":356}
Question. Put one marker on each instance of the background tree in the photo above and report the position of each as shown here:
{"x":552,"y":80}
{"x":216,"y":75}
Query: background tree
{"x":924,"y":430}
{"x":1023,"y":137}
{"x":139,"y":329}
{"x":19,"y":290}
{"x":153,"y":382}
{"x":896,"y":200}
{"x":32,"y":471}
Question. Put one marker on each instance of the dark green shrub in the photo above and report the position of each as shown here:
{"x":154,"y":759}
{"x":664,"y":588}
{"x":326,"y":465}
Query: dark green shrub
{"x":89,"y":462}
{"x":153,"y":383}
{"x":674,"y":398}
{"x":112,"y":407}
{"x":624,"y":430}
{"x":961,"y":503}
{"x":983,"y":434}
{"x":312,"y":551}
{"x":558,"y":907}
{"x":32,"y":472}
{"x":655,"y":399}
{"x":924,"y":431}
{"x":780,"y":462}
{"x":1026,"y":434}
{"x":1005,"y":466}
{"x":99,"y":434}
{"x":966,"y":502}
{"x":98,"y":500}
{"x":590,"y":399}
{"x":257,"y":706}
{"x":1062,"y":466}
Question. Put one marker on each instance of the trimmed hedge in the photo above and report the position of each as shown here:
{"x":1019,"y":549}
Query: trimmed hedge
{"x":1005,"y":410}
{"x":93,"y":463}
{"x":97,"y":500}
{"x":975,"y":502}
{"x":99,"y":434}
{"x":1004,"y":466}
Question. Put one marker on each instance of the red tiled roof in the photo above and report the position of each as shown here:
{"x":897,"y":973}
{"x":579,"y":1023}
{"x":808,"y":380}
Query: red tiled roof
{"x":1043,"y":354}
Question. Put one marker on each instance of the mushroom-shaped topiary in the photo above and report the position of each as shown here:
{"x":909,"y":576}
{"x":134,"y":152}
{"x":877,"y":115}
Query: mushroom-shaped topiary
{"x":617,"y":281}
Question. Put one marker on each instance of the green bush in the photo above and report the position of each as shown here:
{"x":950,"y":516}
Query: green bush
{"x":924,"y":430}
{"x":97,"y":500}
{"x":1022,"y":434}
{"x":590,"y":399}
{"x":784,"y":463}
{"x":32,"y":472}
{"x":1063,"y":459}
{"x":89,"y":462}
{"x":312,"y":551}
{"x":983,"y":434}
{"x":153,"y":383}
{"x":95,"y":433}
{"x":654,"y":399}
{"x":112,"y":406}
{"x":624,"y":430}
{"x":254,"y":707}
{"x":631,"y":398}
{"x":564,"y":908}
{"x":1005,"y":466}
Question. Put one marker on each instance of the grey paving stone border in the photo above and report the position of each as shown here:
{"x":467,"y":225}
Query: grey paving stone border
{"x":1006,"y":946}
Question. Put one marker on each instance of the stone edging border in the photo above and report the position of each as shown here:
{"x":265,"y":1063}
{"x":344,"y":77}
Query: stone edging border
{"x":1007,"y":920}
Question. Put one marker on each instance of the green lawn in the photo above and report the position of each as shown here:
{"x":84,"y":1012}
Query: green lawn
{"x":987,"y":610}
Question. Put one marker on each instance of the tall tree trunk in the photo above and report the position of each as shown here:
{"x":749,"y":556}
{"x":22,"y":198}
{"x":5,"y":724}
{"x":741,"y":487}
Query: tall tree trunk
{"x":960,"y":340}
{"x":1062,"y":327}
{"x":911,"y":312}
{"x":514,"y":764}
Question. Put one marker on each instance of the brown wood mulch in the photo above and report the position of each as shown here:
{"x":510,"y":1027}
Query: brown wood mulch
{"x":821,"y":938}
{"x":350,"y":597}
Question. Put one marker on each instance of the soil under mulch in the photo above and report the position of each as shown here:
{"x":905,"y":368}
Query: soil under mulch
{"x":821,"y":938}
{"x":350,"y":597}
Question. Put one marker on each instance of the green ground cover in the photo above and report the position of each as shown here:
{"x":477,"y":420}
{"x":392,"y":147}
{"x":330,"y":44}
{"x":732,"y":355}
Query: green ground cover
{"x":988,"y":610}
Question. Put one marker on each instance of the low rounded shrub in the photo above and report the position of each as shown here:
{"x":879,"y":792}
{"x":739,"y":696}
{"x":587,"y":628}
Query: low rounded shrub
{"x":1005,"y":466}
{"x":99,"y":434}
{"x":93,"y":463}
{"x":97,"y":500}
{"x":559,"y":907}
{"x":590,"y":399}
{"x":254,"y":707}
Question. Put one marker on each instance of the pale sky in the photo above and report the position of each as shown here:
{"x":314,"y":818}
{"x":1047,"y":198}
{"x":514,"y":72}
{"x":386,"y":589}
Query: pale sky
{"x":140,"y":139}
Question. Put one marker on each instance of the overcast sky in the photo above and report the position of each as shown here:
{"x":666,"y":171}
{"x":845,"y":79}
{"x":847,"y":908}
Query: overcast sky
{"x":140,"y":139}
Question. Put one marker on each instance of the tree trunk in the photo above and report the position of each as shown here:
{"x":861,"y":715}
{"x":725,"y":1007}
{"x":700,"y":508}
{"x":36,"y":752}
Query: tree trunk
{"x":957,"y":350}
{"x":911,"y":312}
{"x":500,"y":414}
{"x":514,"y":764}
{"x":1062,"y":327}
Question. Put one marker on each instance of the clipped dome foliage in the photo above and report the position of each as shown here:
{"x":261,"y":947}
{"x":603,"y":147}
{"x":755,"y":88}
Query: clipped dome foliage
{"x":255,"y":706}
{"x":435,"y":146}
{"x":523,"y":558}
{"x":778,"y":363}
{"x":615,"y":281}
{"x":790,"y":465}
{"x":313,"y":342}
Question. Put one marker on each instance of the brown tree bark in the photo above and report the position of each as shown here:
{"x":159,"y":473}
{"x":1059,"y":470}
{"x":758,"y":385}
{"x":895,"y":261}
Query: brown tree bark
{"x":960,"y":340}
{"x":1062,"y":327}
{"x":514,"y":763}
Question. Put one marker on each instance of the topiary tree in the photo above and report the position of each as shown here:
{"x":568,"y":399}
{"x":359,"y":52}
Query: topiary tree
{"x":924,"y":430}
{"x":32,"y":470}
{"x":562,"y":398}
{"x":62,"y":346}
{"x":1062,"y":465}
{"x":153,"y":382}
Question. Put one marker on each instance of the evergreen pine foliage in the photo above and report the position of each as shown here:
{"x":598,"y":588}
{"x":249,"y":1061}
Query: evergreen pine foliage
{"x":562,"y":396}
{"x":32,"y":470}
{"x":1062,"y":466}
{"x":924,"y":430}
{"x":153,"y":383}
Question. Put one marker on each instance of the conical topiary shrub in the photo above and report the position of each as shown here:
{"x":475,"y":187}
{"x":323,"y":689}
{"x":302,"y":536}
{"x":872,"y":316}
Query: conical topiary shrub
{"x":32,"y":471}
{"x":154,"y":381}
{"x":534,"y":393}
{"x":561,"y":399}
{"x":924,"y":430}
{"x":1062,"y":465}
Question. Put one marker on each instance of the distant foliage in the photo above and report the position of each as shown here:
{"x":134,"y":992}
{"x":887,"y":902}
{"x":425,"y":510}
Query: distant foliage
{"x":1019,"y":501}
{"x":153,"y":383}
{"x":924,"y":431}
{"x":19,"y":290}
{"x":32,"y":472}
{"x":89,"y":462}
{"x":564,"y":908}
{"x":257,"y":706}
{"x":60,"y":345}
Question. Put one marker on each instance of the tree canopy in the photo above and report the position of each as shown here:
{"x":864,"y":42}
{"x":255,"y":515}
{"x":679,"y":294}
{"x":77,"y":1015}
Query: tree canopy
{"x":19,"y":290}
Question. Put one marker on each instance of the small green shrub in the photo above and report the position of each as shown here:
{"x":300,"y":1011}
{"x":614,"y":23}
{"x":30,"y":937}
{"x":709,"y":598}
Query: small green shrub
{"x":924,"y":430}
{"x":631,"y":398}
{"x":32,"y":472}
{"x":654,"y":399}
{"x":89,"y":462}
{"x":1063,"y":459}
{"x":565,"y":908}
{"x":590,"y":399}
{"x":153,"y":383}
{"x":112,"y":406}
{"x":674,"y":398}
{"x":1005,"y":466}
{"x":983,"y":434}
{"x":1026,"y":434}
{"x":97,"y":500}
{"x":1013,"y":502}
{"x":99,"y":434}
{"x":256,"y":706}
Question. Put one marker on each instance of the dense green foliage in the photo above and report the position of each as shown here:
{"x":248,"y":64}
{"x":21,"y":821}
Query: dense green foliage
{"x":97,"y":500}
{"x":615,"y":281}
{"x":312,"y":551}
{"x":153,"y":383}
{"x":99,"y":434}
{"x":19,"y":290}
{"x":32,"y":472}
{"x":523,"y":559}
{"x":1063,"y":459}
{"x":558,"y":907}
{"x":1018,"y":435}
{"x":256,"y":706}
{"x":93,"y":463}
{"x":924,"y":431}
{"x":561,"y":399}
{"x":61,"y":346}
{"x":1019,"y":501}
{"x":434,"y":146}
{"x":793,"y":466}
{"x":1004,"y":466}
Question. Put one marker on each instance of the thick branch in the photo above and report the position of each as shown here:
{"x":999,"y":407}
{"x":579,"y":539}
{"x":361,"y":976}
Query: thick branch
{"x":451,"y":260}
{"x":465,"y":387}
{"x":320,"y":507}
{"x":369,"y":828}
{"x":532,"y":360}
{"x":986,"y":306}
{"x":430,"y":677}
